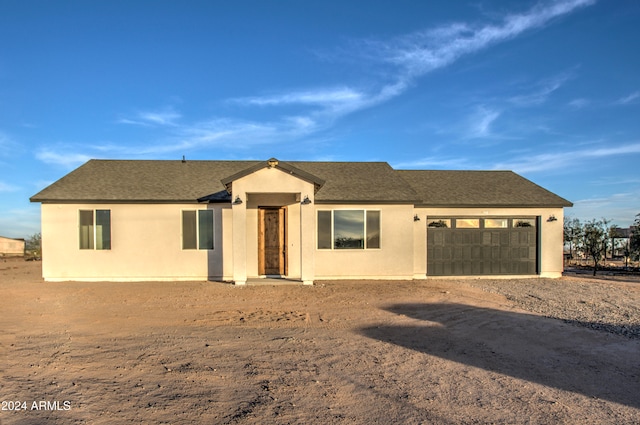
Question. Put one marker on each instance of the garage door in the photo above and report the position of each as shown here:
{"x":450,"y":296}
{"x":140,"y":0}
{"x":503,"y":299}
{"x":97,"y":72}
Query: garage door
{"x":468,"y":246}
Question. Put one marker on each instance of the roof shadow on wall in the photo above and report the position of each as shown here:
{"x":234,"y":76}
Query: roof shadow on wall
{"x":524,"y":346}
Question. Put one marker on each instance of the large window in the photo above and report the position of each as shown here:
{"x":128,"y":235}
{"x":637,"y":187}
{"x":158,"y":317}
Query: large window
{"x":197,"y":229}
{"x":95,"y":229}
{"x":349,"y":229}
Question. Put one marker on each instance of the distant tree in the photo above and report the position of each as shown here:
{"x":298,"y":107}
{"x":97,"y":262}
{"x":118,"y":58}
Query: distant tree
{"x":33,"y":245}
{"x":572,"y":233}
{"x":594,"y":241}
{"x":634,"y":240}
{"x":607,"y":237}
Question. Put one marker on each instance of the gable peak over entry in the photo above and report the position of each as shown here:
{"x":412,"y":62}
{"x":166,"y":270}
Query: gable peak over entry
{"x":277,"y":164}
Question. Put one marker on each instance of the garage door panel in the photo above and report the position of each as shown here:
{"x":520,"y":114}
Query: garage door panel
{"x":480,"y":251}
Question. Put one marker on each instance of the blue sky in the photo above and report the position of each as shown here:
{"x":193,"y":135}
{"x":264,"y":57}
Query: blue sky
{"x":549,"y":89}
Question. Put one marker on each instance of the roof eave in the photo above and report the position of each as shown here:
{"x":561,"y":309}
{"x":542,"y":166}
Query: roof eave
{"x":543,"y":205}
{"x":367,"y":201}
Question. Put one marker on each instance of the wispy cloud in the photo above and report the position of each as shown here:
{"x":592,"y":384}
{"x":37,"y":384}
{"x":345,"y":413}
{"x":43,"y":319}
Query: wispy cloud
{"x":324,"y":97}
{"x":616,"y":205}
{"x":404,"y":58}
{"x":481,"y":122}
{"x":525,"y":162}
{"x":542,"y":91}
{"x":563,"y":159}
{"x":7,"y":144}
{"x":433,"y":162}
{"x":4,"y":140}
{"x":152,"y":118}
{"x":6,"y":187}
{"x":629,"y":99}
{"x":421,"y":52}
{"x":579,"y":103}
{"x":66,"y":160}
{"x":416,"y":54}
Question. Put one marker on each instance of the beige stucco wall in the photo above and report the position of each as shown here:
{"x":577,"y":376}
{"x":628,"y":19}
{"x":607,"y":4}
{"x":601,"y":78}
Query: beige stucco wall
{"x":394,"y":259}
{"x":146,"y":244}
{"x":551,"y":233}
{"x":11,"y":247}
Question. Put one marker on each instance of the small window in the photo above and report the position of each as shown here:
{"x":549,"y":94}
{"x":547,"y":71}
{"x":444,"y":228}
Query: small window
{"x":197,"y":229}
{"x":324,"y":229}
{"x":95,"y":229}
{"x":205,"y":229}
{"x":440,"y":222}
{"x":467,"y":223}
{"x":524,"y":222}
{"x":373,"y":229}
{"x":496,"y":223}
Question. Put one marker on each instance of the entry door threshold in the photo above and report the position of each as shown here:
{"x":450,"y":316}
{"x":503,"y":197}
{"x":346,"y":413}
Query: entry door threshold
{"x":273,"y":280}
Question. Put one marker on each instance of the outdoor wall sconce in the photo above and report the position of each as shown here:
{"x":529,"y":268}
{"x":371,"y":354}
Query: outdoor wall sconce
{"x":416,"y":218}
{"x":306,"y":200}
{"x":238,"y":201}
{"x":552,"y":218}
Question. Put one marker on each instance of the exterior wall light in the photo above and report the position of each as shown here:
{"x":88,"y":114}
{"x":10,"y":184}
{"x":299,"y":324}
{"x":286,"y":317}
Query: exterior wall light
{"x":237,"y":201}
{"x":552,"y":218}
{"x":416,"y":218}
{"x":306,"y":200}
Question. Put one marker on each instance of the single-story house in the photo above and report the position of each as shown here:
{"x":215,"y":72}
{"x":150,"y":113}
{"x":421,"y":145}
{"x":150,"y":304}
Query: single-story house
{"x":114,"y":220}
{"x":11,"y":247}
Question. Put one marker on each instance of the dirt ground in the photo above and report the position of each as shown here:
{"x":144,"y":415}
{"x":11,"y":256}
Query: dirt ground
{"x":426,"y":352}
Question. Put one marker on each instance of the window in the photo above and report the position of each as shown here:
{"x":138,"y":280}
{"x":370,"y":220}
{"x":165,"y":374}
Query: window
{"x":197,"y":229}
{"x":324,"y":229}
{"x":496,"y":223}
{"x":95,"y":229}
{"x":440,"y":222}
{"x":349,"y":229}
{"x":524,"y":222}
{"x":468,"y":223}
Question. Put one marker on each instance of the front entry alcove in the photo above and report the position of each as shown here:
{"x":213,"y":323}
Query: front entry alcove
{"x":273,"y":235}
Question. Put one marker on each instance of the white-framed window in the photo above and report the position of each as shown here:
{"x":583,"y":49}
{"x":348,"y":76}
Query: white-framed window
{"x":95,"y":229}
{"x":348,"y":229}
{"x":197,"y":229}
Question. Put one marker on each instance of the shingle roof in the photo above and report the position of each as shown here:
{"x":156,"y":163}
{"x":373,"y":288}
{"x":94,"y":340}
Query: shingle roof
{"x":141,"y":181}
{"x":479,"y":189}
{"x":339,"y":182}
{"x":359,"y":181}
{"x":177,"y":181}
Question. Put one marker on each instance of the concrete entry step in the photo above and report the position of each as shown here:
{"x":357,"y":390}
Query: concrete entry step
{"x":261,"y":281}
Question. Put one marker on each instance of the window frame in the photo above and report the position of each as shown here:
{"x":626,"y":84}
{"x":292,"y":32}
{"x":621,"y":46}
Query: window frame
{"x":365,"y":212}
{"x":92,"y":242}
{"x":198,"y":230}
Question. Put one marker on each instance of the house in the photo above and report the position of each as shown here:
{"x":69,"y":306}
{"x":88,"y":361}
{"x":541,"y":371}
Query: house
{"x":113,"y":220}
{"x":10,"y":247}
{"x":621,"y":240}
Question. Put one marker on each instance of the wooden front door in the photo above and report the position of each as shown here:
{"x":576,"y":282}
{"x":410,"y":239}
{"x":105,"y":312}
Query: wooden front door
{"x":272,"y":241}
